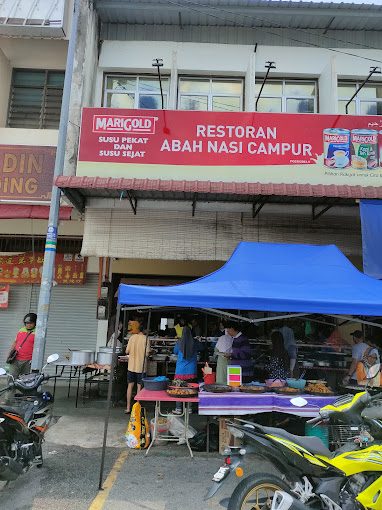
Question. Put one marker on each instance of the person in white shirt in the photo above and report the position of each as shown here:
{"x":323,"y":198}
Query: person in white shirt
{"x":358,"y":351}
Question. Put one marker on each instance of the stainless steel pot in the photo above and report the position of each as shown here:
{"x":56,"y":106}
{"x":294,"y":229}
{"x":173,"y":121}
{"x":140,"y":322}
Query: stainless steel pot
{"x":78,"y":357}
{"x":109,"y":349}
{"x":104,"y":358}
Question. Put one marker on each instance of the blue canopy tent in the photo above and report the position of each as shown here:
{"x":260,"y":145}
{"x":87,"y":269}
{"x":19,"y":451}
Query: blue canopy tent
{"x":272,"y":277}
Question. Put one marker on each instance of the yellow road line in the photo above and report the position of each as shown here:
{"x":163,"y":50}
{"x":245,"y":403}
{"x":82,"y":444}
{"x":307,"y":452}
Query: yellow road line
{"x":102,"y":495}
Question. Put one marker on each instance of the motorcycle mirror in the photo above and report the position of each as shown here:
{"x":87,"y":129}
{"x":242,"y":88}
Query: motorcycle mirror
{"x":2,"y":371}
{"x":52,"y":358}
{"x":298,"y":401}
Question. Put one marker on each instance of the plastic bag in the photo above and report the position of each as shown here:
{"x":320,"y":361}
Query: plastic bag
{"x":178,"y":429}
{"x":138,"y":432}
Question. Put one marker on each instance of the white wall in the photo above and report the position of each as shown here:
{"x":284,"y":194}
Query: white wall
{"x":5,"y":83}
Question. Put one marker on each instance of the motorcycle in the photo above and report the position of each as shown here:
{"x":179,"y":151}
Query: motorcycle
{"x":311,"y":476}
{"x":22,"y":428}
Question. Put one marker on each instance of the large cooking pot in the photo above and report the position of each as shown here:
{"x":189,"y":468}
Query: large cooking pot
{"x":84,"y":357}
{"x":109,"y":349}
{"x":105,"y":358}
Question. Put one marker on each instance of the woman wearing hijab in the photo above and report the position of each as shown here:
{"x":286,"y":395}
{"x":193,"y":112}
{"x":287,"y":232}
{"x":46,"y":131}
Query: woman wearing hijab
{"x":368,"y":370}
{"x":186,"y":365}
{"x":223,"y":350}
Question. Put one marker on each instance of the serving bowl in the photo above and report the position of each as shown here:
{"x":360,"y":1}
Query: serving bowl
{"x":298,"y":384}
{"x":275,"y":383}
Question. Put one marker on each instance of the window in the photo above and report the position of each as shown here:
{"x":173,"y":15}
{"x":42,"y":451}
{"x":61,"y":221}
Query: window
{"x":287,"y":96}
{"x":368,"y":101}
{"x":212,"y":94}
{"x":135,"y":92}
{"x":36,"y":98}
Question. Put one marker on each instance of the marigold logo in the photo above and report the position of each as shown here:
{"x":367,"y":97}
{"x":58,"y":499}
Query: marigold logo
{"x":124,"y":124}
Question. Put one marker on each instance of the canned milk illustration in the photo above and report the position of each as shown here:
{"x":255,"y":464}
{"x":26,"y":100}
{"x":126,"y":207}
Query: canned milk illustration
{"x":364,"y":149}
{"x":337,"y":148}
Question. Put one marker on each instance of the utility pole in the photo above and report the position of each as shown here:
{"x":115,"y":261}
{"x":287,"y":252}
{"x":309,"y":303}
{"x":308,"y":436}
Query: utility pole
{"x":51,"y":236}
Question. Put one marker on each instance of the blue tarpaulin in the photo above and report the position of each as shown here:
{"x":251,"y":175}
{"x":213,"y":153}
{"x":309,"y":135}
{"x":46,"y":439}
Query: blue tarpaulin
{"x":273,"y":277}
{"x":371,"y":223}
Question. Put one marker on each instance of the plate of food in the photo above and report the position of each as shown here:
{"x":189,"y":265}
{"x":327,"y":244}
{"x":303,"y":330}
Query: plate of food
{"x":182,"y":392}
{"x":275,"y":383}
{"x":288,"y":391}
{"x":217,"y":388}
{"x":318,"y":388}
{"x":253,"y":388}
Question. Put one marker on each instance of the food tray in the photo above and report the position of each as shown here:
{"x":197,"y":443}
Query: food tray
{"x":182,"y":392}
{"x":253,"y":389}
{"x":288,"y":391}
{"x":331,"y":394}
{"x":217,"y":388}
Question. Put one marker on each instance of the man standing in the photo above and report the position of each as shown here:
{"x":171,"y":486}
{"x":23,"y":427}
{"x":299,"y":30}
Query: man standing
{"x":23,"y":343}
{"x":358,"y":351}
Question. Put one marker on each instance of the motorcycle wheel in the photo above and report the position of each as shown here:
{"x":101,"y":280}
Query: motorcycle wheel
{"x":256,"y":492}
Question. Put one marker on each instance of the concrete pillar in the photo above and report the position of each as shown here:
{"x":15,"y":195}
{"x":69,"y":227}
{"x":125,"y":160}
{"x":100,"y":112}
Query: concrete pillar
{"x":5,"y":86}
{"x":250,"y":100}
{"x":173,"y":92}
{"x":102,"y":327}
{"x":327,"y":88}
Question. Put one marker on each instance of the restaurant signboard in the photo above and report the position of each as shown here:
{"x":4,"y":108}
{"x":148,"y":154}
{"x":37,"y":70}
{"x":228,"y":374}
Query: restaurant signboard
{"x":26,"y":172}
{"x":221,"y":146}
{"x":69,"y":268}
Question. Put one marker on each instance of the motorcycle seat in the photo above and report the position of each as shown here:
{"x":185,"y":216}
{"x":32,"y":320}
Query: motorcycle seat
{"x":311,"y":443}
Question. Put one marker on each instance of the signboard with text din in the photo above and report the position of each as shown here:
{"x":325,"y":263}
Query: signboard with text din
{"x":69,"y":268}
{"x":26,"y":172}
{"x":240,"y":147}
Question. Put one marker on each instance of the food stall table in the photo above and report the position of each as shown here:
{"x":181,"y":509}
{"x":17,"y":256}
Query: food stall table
{"x":237,"y":403}
{"x":72,"y":368}
{"x":161,"y":396}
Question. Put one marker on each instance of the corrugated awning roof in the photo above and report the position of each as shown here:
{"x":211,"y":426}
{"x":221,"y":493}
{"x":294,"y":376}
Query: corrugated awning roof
{"x":78,"y":189}
{"x":259,"y":13}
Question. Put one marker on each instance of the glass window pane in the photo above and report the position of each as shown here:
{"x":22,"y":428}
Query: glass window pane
{"x":226,"y":87}
{"x":294,"y":88}
{"x":29,"y":78}
{"x":56,"y":79}
{"x":371,"y":108}
{"x":346,"y":91}
{"x":226,"y":104}
{"x":269,"y":105}
{"x":27,"y":97}
{"x":341,"y":108}
{"x":300,"y":106}
{"x":194,"y":85}
{"x":121,"y":83}
{"x":153,"y":102}
{"x":370,"y":92}
{"x":193,"y":102}
{"x":152,"y":84}
{"x":270,"y":88}
{"x":120,"y":100}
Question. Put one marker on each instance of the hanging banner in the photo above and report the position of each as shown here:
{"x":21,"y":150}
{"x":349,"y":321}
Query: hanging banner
{"x":26,"y":172}
{"x":227,"y":146}
{"x":70,"y":268}
{"x":4,"y":296}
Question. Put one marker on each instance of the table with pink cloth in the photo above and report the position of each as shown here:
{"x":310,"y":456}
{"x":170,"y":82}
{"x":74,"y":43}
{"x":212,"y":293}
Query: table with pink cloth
{"x":161,"y":396}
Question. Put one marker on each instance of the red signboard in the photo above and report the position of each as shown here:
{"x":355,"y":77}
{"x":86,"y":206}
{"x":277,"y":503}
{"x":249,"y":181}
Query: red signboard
{"x":70,"y":269}
{"x":4,"y":296}
{"x":26,"y":172}
{"x":221,"y":146}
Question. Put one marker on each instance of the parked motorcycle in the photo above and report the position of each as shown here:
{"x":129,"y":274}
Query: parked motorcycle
{"x":311,"y":476}
{"x":22,"y":428}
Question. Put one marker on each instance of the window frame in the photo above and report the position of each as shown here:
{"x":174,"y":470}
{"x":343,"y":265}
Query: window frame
{"x":358,"y":100}
{"x":284,"y":97}
{"x":136,"y":92}
{"x":209,"y":94}
{"x":44,"y":94}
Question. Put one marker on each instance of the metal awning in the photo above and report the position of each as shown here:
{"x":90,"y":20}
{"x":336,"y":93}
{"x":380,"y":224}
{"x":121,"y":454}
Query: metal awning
{"x":259,"y":13}
{"x":79,"y":189}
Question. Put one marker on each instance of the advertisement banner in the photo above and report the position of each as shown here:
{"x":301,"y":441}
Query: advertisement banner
{"x":69,"y":268}
{"x":225,"y":146}
{"x":26,"y":172}
{"x":4,"y":296}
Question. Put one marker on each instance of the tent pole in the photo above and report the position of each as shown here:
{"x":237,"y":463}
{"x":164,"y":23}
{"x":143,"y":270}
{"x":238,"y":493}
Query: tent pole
{"x":147,"y":339}
{"x":109,"y":393}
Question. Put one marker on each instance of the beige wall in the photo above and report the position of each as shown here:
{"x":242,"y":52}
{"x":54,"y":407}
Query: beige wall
{"x":5,"y":81}
{"x":38,"y":227}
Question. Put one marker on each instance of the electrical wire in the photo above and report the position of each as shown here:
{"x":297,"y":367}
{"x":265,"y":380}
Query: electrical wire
{"x":269,"y":32}
{"x":304,"y":31}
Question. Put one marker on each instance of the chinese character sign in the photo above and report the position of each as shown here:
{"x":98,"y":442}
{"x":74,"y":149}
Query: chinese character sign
{"x":70,"y":269}
{"x":4,"y":296}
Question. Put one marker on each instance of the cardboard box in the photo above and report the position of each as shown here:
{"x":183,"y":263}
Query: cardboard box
{"x":226,"y":438}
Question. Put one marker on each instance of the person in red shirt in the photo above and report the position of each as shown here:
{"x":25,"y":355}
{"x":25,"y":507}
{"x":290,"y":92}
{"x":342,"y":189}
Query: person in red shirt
{"x":23,"y":342}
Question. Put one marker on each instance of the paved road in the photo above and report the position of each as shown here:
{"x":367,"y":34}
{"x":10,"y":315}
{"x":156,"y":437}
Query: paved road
{"x":167,"y":479}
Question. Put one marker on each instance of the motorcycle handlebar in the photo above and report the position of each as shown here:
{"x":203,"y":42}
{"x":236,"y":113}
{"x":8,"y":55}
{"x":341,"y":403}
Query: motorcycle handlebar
{"x":314,"y":420}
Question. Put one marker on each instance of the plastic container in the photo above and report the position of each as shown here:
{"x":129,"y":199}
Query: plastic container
{"x":161,"y":427}
{"x":210,"y":378}
{"x":320,"y":431}
{"x":298,"y":384}
{"x":151,"y":385}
